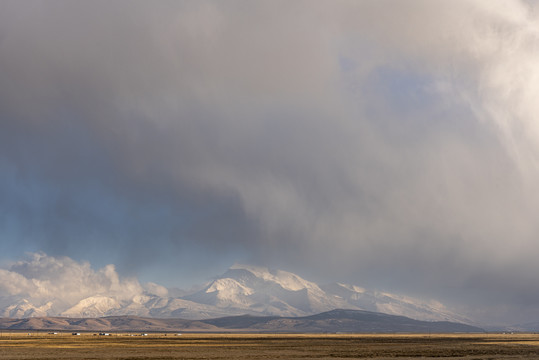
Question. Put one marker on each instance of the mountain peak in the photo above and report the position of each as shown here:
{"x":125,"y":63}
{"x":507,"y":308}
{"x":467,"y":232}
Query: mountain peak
{"x":285,"y":279}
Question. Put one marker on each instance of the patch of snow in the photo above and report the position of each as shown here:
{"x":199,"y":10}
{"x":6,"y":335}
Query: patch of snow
{"x":287,"y":280}
{"x":94,"y":306}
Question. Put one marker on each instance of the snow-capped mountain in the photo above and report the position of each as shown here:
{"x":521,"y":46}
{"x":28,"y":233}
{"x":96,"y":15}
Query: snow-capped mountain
{"x":260,"y":291}
{"x":240,"y":290}
{"x":387,"y":303}
{"x":23,"y":308}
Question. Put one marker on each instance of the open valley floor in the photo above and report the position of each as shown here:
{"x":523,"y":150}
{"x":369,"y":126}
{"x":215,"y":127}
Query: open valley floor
{"x":131,"y":346}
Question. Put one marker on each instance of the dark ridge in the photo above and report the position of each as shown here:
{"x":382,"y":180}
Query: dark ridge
{"x":339,"y":320}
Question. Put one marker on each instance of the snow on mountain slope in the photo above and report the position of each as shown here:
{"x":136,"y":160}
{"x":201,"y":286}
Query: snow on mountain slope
{"x":261,"y":291}
{"x":24,"y":308}
{"x":392,"y":304}
{"x":94,"y":306}
{"x":286,"y":280}
{"x":180,"y":308}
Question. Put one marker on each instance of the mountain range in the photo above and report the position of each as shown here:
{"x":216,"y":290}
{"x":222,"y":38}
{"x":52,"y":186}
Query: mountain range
{"x":338,"y":320}
{"x":242,"y":290}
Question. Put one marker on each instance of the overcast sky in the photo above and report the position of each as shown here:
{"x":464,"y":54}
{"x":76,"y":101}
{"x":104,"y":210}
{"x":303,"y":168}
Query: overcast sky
{"x":390,"y":144}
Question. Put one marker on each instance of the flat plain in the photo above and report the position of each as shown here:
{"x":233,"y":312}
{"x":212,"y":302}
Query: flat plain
{"x":268,"y":346}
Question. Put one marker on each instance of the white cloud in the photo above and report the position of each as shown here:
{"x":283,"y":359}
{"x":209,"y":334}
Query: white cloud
{"x":156,"y":289}
{"x":42,"y":278}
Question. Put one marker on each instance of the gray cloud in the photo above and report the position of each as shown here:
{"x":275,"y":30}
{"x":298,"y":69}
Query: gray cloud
{"x":390,"y":143}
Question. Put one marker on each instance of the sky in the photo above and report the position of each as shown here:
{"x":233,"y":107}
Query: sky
{"x":389,"y":144}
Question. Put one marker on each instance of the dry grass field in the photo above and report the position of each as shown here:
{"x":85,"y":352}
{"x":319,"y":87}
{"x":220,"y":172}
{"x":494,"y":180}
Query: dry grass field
{"x":264,"y":346}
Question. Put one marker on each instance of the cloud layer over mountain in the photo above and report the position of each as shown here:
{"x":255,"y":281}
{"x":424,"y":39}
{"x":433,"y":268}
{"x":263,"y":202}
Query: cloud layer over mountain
{"x":388,"y":143}
{"x":43,"y":285}
{"x":64,"y":282}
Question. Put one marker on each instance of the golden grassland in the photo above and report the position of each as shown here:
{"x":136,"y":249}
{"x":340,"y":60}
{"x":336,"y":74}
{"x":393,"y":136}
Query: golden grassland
{"x":125,"y":346}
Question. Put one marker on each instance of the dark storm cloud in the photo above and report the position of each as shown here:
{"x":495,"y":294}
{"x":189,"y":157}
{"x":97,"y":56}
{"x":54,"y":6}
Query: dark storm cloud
{"x":389,"y":143}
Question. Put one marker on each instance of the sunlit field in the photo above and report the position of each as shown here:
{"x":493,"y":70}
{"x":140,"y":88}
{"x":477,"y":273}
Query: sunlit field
{"x":266,"y":346}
